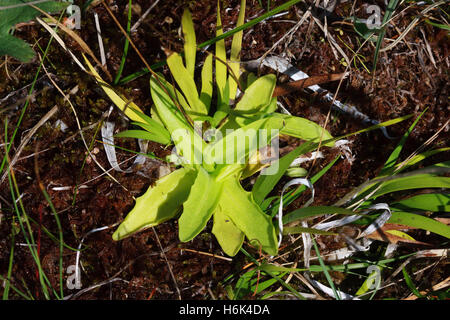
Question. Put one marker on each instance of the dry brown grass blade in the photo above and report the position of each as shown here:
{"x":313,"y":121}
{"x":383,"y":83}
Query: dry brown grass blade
{"x":382,"y":234}
{"x":77,"y":38}
{"x":290,"y":87}
{"x":206,"y":254}
{"x":387,"y":237}
{"x":394,"y":226}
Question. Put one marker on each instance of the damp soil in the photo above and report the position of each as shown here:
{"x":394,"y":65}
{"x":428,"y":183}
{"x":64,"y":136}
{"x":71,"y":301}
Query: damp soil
{"x":406,"y":82}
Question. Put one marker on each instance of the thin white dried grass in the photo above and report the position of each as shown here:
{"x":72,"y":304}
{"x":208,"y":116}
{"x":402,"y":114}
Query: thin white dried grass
{"x":100,"y":40}
{"x":107,"y":132}
{"x":77,"y":258}
{"x":297,"y":181}
{"x":380,"y":221}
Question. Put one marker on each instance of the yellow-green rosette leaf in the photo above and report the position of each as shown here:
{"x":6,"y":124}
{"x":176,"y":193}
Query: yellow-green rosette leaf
{"x":207,"y":82}
{"x":258,"y":95}
{"x":236,"y":46}
{"x":227,"y":234}
{"x":304,"y":129}
{"x":248,"y":216}
{"x":124,"y":105}
{"x":221,"y":59}
{"x":186,"y":83}
{"x":190,"y":46}
{"x":158,"y":204}
{"x":199,"y":206}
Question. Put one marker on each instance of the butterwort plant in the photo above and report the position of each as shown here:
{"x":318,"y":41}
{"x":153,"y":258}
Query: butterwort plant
{"x":216,"y":145}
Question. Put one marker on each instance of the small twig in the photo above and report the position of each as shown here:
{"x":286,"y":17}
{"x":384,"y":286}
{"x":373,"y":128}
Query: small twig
{"x":289,"y":87}
{"x":207,"y":254}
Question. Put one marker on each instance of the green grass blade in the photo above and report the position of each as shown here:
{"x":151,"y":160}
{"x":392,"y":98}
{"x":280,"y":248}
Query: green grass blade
{"x":125,"y":47}
{"x":156,"y":129}
{"x":10,"y":263}
{"x":61,"y":241}
{"x":248,"y":283}
{"x":22,"y":217}
{"x":251,"y":23}
{"x":438,"y":25}
{"x":297,"y":230}
{"x":264,"y":285}
{"x":149,"y":155}
{"x":410,"y":284}
{"x":325,"y":271}
{"x":412,"y":182}
{"x":50,"y":235}
{"x":374,"y":127}
{"x":288,"y":198}
{"x":422,"y":156}
{"x":274,"y":268}
{"x":265,"y":183}
{"x":271,"y":274}
{"x":387,"y":16}
{"x":360,"y":265}
{"x":420,"y":222}
{"x":20,"y":293}
{"x":435,"y":202}
{"x":243,"y":285}
{"x":389,"y":166}
{"x":307,"y":212}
